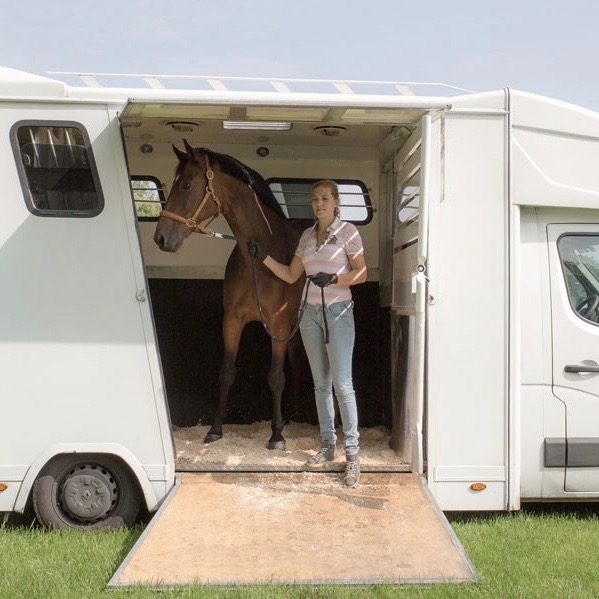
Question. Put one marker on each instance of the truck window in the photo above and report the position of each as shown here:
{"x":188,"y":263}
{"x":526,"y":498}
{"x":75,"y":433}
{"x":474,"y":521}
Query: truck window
{"x":148,"y":197}
{"x":57,"y":169}
{"x":294,"y":196}
{"x":579,"y":256}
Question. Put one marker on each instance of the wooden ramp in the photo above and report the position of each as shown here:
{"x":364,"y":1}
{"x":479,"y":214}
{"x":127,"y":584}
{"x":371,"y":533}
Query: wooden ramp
{"x":235,"y":528}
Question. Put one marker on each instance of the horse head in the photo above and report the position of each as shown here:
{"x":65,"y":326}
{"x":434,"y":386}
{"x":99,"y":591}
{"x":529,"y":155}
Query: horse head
{"x":192,"y":199}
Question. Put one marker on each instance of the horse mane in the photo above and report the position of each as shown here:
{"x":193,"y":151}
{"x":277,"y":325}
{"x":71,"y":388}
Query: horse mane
{"x":245,"y":174}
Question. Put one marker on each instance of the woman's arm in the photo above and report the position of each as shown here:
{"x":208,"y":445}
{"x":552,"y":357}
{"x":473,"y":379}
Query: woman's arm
{"x":357,"y":274}
{"x":289,"y":274}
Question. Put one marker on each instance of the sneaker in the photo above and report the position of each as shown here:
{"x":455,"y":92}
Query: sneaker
{"x":326,"y":453}
{"x":352,"y":470}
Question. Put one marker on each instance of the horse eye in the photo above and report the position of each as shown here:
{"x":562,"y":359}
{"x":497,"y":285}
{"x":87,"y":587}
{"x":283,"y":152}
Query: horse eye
{"x":186,"y":186}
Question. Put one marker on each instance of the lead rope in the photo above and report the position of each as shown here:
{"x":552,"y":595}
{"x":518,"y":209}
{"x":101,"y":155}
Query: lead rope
{"x":324,"y":317}
{"x":300,"y":314}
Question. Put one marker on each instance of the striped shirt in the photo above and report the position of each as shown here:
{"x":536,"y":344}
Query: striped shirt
{"x":341,"y":240}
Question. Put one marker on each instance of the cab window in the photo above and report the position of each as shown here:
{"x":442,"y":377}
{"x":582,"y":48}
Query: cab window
{"x":579,"y":256}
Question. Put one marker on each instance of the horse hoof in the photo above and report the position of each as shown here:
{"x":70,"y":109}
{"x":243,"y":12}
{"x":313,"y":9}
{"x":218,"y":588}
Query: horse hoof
{"x":277,"y":445}
{"x":212,"y":437}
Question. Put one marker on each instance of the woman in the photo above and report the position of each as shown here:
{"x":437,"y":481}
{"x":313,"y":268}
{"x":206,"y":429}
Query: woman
{"x":332,"y":255}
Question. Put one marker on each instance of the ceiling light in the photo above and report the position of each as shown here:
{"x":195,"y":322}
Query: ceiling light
{"x":330,"y":130}
{"x":257,"y":125}
{"x":182,"y":126}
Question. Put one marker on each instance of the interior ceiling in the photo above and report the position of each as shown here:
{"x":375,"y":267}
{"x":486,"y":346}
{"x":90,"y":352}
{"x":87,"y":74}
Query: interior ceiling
{"x":210,"y":132}
{"x":338,"y":126}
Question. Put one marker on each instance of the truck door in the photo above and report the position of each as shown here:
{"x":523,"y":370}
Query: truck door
{"x":409,"y":290}
{"x":76,"y":343}
{"x":574,"y":273}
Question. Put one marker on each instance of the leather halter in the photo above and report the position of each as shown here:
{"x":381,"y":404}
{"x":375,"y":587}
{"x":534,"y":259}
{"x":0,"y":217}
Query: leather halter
{"x":210,"y":194}
{"x":199,"y":228}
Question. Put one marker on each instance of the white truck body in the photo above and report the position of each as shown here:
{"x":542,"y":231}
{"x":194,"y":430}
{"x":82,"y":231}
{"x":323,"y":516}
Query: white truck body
{"x":473,"y":279}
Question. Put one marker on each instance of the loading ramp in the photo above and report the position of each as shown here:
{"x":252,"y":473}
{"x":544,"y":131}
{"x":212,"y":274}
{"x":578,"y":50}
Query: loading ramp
{"x":239,"y":528}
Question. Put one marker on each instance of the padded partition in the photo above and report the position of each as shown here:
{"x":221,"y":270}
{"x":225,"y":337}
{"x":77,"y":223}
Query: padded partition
{"x":188,"y":314}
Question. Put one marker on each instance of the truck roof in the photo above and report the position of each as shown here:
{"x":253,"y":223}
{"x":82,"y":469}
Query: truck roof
{"x":187,"y":87}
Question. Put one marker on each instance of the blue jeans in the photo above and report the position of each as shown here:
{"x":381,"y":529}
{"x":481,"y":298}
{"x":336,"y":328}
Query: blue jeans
{"x":332,"y":365}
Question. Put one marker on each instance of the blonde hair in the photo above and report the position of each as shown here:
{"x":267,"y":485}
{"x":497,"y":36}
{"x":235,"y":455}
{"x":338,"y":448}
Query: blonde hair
{"x":334,"y":191}
{"x":327,"y":183}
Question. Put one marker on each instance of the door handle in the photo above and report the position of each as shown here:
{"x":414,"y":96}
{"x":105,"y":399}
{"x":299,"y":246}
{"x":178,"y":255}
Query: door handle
{"x":580,"y":368}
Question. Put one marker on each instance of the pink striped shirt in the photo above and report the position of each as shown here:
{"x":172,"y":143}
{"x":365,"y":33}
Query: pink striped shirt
{"x":341,"y":240}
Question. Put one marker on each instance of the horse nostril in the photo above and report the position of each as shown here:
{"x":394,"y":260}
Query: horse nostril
{"x":159,"y":239}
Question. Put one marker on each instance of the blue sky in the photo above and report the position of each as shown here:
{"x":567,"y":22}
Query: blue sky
{"x":548,"y":47}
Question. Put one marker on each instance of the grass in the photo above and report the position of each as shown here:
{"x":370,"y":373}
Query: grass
{"x":543,"y":551}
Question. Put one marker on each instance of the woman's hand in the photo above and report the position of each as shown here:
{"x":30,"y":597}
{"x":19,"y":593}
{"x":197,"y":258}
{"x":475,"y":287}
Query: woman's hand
{"x":255,"y":250}
{"x":324,"y":279}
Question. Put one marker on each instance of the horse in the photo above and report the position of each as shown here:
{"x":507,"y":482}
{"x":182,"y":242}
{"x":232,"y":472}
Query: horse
{"x":207,"y":184}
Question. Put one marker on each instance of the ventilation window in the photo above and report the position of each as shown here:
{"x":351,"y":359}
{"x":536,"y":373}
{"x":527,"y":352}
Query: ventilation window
{"x":57,"y":169}
{"x":295,"y":198}
{"x":148,"y":197}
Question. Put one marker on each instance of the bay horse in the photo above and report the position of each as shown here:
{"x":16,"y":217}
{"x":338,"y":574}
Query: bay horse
{"x":208,"y":184}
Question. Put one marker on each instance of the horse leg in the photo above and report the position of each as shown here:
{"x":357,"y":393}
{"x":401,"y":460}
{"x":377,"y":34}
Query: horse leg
{"x":231,"y":335}
{"x":276,"y":382}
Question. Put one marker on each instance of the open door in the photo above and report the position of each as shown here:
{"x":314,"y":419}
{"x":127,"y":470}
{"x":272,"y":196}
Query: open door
{"x":574,"y":267}
{"x":76,"y":342}
{"x":409,"y":292}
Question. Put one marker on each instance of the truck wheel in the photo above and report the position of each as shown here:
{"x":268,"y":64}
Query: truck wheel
{"x":86,"y":493}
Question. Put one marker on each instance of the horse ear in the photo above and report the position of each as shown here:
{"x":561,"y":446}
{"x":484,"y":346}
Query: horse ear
{"x":190,"y":150}
{"x":181,"y":155}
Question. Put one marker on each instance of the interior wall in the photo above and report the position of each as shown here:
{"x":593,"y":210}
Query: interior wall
{"x":186,"y":295}
{"x":202,"y":257}
{"x":188,"y":313}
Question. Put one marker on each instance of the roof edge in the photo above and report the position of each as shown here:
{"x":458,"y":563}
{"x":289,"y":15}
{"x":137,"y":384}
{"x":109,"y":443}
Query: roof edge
{"x":20,"y":83}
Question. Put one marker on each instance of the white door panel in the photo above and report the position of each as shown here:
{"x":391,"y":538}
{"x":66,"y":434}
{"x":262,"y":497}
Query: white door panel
{"x":73,"y":346}
{"x":574,"y":268}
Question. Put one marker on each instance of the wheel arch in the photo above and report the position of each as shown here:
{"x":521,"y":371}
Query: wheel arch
{"x":140,"y":475}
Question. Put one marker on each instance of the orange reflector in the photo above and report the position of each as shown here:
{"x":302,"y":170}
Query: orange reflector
{"x":478,"y":486}
{"x":3,"y":487}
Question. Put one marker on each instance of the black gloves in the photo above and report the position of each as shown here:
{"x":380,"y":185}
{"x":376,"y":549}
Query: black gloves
{"x":324,"y":279}
{"x":254,"y":250}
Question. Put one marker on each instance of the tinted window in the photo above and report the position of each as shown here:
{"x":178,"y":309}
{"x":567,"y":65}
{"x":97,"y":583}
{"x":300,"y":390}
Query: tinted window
{"x":579,"y":255}
{"x":56,"y":169}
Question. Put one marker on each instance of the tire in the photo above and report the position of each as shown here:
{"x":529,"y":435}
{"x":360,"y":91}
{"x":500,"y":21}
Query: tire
{"x":86,"y":493}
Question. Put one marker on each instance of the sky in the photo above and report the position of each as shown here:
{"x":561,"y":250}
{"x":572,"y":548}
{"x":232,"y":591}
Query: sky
{"x":548,"y":47}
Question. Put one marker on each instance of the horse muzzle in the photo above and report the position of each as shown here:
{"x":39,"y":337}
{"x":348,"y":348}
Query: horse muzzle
{"x":168,"y":243}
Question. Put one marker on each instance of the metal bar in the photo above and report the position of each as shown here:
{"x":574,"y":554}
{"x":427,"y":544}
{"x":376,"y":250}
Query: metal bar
{"x":153,"y":82}
{"x":36,"y":154}
{"x":401,"y":86}
{"x":217,"y":84}
{"x":421,"y":299}
{"x":280,"y":86}
{"x":344,"y":88}
{"x":404,"y":90}
{"x":90,"y":81}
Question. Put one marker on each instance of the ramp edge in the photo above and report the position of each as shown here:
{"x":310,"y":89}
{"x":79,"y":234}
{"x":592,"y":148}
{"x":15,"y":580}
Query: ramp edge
{"x":450,"y":533}
{"x":166,"y":585}
{"x":114,"y":581}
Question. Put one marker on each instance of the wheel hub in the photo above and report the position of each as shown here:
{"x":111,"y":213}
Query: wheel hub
{"x":88,"y":493}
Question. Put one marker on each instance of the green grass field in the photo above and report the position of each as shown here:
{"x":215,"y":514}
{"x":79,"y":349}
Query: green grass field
{"x":543,"y":551}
